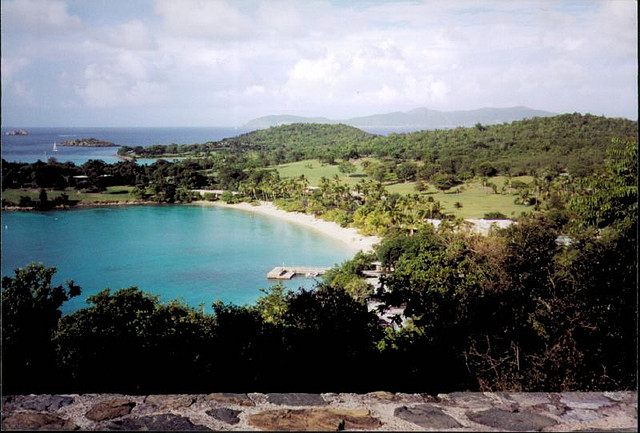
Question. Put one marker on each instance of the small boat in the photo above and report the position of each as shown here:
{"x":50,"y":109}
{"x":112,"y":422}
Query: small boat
{"x":55,"y":147}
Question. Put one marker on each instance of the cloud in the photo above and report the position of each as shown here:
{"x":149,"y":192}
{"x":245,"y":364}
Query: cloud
{"x":124,"y":84}
{"x":11,"y":66}
{"x":132,"y":35}
{"x":245,"y":58}
{"x":207,"y":19}
{"x":38,"y":17}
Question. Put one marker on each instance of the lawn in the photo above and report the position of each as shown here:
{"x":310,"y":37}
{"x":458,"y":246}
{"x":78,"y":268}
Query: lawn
{"x":314,"y":170}
{"x":113,"y":193}
{"x":475,"y":199}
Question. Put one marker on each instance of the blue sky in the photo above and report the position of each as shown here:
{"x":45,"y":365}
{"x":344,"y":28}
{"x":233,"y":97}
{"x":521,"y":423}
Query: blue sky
{"x":222,"y":63}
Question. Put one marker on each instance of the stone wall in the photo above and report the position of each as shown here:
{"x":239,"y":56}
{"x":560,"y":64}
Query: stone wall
{"x":598,"y":411}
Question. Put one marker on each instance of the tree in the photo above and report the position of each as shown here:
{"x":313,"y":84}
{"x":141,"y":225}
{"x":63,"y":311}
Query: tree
{"x":273,"y":303}
{"x":30,"y":314}
{"x":326,"y":327}
{"x":611,"y":198}
{"x":444,"y":181}
{"x":347,"y":167}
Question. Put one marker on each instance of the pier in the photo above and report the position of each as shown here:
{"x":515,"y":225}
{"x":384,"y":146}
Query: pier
{"x":288,"y":272}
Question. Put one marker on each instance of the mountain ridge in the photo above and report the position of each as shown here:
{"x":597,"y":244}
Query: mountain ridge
{"x":420,"y":117}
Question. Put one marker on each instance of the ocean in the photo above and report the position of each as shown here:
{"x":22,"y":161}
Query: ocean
{"x":38,"y":145}
{"x":195,"y":253}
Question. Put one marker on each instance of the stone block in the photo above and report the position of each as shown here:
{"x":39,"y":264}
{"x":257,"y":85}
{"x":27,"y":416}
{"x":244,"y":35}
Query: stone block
{"x":45,"y":402}
{"x":224,"y":414}
{"x":514,"y":421}
{"x":164,"y":422}
{"x":170,"y":401}
{"x":110,"y":409}
{"x":470,"y":400}
{"x":314,"y":420}
{"x":585,"y":400}
{"x":230,"y":398}
{"x":36,"y":421}
{"x":426,"y":416}
{"x":296,"y":399}
{"x":622,"y":396}
{"x":582,"y":415}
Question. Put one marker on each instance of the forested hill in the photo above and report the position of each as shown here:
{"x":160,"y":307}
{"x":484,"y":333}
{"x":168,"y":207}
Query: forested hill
{"x":572,"y":143}
{"x":306,"y":139}
{"x":284,"y":143}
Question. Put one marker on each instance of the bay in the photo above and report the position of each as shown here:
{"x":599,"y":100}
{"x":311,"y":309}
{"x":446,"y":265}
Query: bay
{"x":195,"y":253}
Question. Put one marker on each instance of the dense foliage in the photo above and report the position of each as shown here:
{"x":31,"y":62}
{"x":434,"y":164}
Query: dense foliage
{"x":571,"y":143}
{"x":548,"y":304}
{"x":274,"y":145}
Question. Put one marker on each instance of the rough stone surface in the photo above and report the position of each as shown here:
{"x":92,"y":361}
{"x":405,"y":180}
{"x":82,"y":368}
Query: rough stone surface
{"x":229,"y":416}
{"x":382,"y":411}
{"x":296,"y":399}
{"x":585,"y":400}
{"x":46,"y":402}
{"x":581,"y":415}
{"x":165,"y":422}
{"x":230,"y":398}
{"x":471,"y":400}
{"x":427,"y":416}
{"x":314,"y":420}
{"x":621,"y":396}
{"x":36,"y":421}
{"x":110,"y":409}
{"x":512,"y":421}
{"x":169,"y":401}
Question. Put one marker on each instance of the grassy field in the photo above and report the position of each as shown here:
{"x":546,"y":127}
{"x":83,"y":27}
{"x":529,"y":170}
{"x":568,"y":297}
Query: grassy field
{"x":314,"y":170}
{"x":475,"y":199}
{"x":113,"y":193}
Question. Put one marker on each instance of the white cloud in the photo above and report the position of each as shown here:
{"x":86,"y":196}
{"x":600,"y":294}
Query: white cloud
{"x":208,"y":19}
{"x":132,"y":35}
{"x":11,"y":66}
{"x":114,"y":87}
{"x":246,"y":58}
{"x":38,"y":16}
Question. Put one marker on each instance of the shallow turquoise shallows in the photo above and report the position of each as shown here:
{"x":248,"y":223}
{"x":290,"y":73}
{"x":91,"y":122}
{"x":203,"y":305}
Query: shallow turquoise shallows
{"x":195,"y":253}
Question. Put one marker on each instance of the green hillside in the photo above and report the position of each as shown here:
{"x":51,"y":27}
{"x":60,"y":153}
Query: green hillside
{"x":573,"y":143}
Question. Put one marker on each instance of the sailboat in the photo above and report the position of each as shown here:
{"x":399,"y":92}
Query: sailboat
{"x":55,"y":147}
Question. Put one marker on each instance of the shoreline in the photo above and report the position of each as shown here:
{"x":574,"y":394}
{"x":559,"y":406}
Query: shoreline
{"x":348,"y":236}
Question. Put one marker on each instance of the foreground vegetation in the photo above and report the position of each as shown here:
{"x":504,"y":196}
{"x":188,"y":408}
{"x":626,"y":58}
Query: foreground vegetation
{"x":517,"y":310}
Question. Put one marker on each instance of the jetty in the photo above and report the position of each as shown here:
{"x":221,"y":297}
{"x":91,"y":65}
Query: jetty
{"x":288,"y":272}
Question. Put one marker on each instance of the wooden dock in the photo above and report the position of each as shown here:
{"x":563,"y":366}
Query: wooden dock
{"x":288,"y":272}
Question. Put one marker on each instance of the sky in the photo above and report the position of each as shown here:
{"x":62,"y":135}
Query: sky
{"x":223,"y":63}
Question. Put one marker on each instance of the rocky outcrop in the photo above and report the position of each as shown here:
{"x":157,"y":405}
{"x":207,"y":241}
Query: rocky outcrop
{"x":592,"y":411}
{"x":17,"y":132}
{"x":88,"y":142}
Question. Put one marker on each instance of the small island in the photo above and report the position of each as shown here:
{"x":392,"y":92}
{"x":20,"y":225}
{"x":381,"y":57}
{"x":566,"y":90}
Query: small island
{"x":88,"y":142}
{"x":17,"y":132}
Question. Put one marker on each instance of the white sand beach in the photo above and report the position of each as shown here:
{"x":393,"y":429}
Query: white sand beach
{"x":349,"y":236}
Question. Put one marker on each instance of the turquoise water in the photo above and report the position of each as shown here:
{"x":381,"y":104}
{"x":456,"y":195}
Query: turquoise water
{"x":196,"y":253}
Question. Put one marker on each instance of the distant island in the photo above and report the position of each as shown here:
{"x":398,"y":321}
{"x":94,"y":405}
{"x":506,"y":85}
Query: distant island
{"x":419,"y":118}
{"x":88,"y":142}
{"x":17,"y":132}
